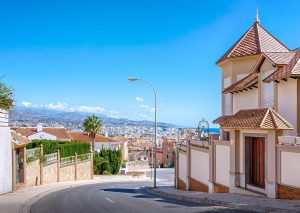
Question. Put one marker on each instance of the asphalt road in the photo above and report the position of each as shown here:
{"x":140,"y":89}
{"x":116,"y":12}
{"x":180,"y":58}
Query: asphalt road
{"x":120,"y":197}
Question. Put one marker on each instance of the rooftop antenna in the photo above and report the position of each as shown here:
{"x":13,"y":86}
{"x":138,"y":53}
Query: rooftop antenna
{"x":257,"y":17}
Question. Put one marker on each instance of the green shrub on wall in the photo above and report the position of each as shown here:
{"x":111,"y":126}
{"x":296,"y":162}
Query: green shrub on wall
{"x":66,"y":148}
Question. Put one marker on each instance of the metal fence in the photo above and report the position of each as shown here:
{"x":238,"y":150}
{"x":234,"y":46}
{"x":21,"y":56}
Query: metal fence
{"x":67,"y":160}
{"x":32,"y":152}
{"x":83,"y":157}
{"x":50,"y":158}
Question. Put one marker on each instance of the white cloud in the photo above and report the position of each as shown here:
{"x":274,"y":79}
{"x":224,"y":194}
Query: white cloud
{"x":144,"y":106}
{"x":152,"y":109}
{"x":26,"y":104}
{"x":91,"y":109}
{"x":139,"y":99}
{"x":58,"y":106}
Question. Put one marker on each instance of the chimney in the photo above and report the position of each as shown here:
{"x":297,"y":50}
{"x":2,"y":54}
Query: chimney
{"x":39,"y":127}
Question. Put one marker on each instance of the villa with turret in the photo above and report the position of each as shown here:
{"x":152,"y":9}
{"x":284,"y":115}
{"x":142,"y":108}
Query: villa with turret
{"x":260,"y":123}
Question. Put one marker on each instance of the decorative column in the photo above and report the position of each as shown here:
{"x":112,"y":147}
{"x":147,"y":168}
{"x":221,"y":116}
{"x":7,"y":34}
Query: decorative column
{"x":271,"y":186}
{"x":14,"y":175}
{"x":25,"y":167}
{"x":188,"y":161}
{"x":41,"y":164}
{"x":211,"y":167}
{"x":58,"y":165}
{"x":234,"y":177}
{"x":92,"y":164}
{"x":76,"y":157}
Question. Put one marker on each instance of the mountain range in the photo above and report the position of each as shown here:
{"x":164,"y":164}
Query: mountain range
{"x":32,"y":116}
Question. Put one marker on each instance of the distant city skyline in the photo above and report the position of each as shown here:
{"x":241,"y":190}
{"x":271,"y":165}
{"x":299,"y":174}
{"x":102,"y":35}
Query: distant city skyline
{"x":77,"y":55}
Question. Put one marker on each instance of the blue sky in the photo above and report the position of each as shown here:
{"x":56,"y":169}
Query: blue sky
{"x":77,"y":55}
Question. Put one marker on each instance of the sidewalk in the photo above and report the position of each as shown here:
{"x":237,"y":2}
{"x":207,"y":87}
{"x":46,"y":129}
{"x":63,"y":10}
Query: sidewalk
{"x":243,"y":202}
{"x":22,"y":200}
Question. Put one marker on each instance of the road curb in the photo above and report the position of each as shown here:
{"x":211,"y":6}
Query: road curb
{"x":257,"y":208}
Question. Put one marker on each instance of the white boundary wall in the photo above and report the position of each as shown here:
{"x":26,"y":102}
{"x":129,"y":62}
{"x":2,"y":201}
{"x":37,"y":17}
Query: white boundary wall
{"x":5,"y":154}
{"x":200,"y":166}
{"x":182,"y":167}
{"x":290,"y":169}
{"x":222,"y":164}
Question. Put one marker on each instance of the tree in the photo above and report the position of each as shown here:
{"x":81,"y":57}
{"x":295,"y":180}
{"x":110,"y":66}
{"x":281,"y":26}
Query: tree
{"x":92,"y":125}
{"x":6,"y":101}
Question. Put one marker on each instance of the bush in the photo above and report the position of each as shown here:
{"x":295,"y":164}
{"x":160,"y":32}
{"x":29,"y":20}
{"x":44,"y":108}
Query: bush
{"x":66,"y":148}
{"x":105,"y":167}
{"x":107,"y":161}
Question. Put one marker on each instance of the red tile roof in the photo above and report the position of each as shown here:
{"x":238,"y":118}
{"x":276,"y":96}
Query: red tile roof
{"x":263,"y":118}
{"x":255,"y":41}
{"x":248,"y":82}
{"x":280,"y":58}
{"x":292,"y":69}
{"x":18,"y":139}
{"x":84,"y":137}
{"x":222,"y":119}
{"x":59,"y":132}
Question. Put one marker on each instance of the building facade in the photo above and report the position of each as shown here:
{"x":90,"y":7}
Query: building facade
{"x":259,"y":124}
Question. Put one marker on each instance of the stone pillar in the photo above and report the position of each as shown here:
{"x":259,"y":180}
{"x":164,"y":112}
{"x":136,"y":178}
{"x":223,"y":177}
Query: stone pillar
{"x":211,"y":167}
{"x":25,"y":167}
{"x":76,"y":157}
{"x":41,"y":164}
{"x":14,"y":175}
{"x":176,"y":169}
{"x":188,"y":161}
{"x":271,"y":186}
{"x":234,"y":178}
{"x":58,"y":165}
{"x":92,"y":164}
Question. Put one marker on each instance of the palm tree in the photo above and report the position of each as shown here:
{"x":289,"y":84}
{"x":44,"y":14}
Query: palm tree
{"x":92,"y":125}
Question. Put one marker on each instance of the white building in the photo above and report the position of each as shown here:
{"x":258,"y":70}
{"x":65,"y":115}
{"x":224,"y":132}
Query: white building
{"x":5,"y":154}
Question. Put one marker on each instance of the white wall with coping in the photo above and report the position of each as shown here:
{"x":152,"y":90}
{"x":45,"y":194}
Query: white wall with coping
{"x":287,"y":102}
{"x":290,"y":175}
{"x":200,"y":166}
{"x":222,"y":164}
{"x":182,"y":167}
{"x":245,"y":100}
{"x":5,"y":154}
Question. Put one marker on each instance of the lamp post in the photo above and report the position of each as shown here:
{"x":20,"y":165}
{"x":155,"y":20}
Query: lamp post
{"x":155,"y":123}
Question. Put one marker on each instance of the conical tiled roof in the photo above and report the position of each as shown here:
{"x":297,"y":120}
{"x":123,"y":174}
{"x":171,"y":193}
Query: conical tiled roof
{"x":255,"y":41}
{"x":264,"y":118}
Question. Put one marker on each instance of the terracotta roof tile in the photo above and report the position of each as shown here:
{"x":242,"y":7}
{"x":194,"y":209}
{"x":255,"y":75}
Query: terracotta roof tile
{"x":59,"y":132}
{"x":222,"y":119}
{"x":292,"y":69}
{"x":264,"y":118}
{"x":247,"y":82}
{"x":280,"y":58}
{"x":18,"y":139}
{"x":255,"y":41}
{"x":84,"y":137}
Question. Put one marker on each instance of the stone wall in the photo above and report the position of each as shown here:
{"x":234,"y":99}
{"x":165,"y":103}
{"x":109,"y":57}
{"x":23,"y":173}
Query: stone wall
{"x":33,"y":173}
{"x":84,"y":170}
{"x":50,"y":173}
{"x":67,"y":173}
{"x":56,"y":172}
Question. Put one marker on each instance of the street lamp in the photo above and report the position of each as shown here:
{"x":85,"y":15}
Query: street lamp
{"x":155,"y":122}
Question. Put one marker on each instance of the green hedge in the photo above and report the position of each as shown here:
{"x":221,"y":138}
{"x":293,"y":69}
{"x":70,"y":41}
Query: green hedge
{"x":67,"y":148}
{"x":107,"y":161}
